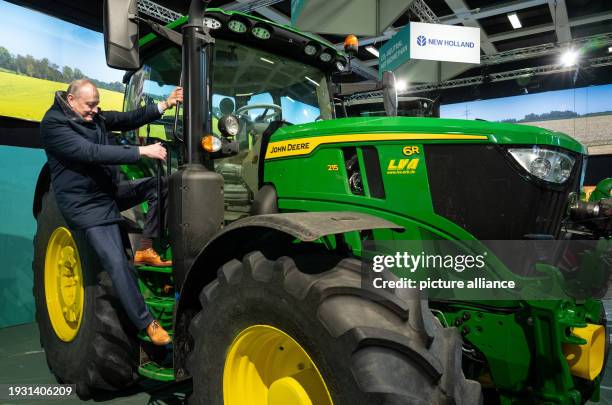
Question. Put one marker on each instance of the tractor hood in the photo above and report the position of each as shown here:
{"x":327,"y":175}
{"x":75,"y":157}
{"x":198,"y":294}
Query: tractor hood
{"x":436,"y":130}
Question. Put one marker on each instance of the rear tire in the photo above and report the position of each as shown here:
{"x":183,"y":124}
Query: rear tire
{"x":104,"y":352}
{"x":369,"y":348}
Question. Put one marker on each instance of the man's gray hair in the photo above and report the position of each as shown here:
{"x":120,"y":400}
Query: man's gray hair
{"x":76,"y":85}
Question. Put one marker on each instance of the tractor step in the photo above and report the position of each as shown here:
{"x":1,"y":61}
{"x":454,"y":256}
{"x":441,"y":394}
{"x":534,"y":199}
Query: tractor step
{"x":162,"y":309}
{"x":167,"y":270}
{"x":156,"y":362}
{"x":156,"y":372}
{"x":161,"y":303}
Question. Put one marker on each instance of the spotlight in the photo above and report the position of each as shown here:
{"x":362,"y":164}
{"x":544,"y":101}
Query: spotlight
{"x":514,"y":20}
{"x":569,"y":58}
{"x":401,"y":85}
{"x":372,"y":50}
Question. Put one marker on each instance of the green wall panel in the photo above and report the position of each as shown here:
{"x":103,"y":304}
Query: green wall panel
{"x":19,"y":168}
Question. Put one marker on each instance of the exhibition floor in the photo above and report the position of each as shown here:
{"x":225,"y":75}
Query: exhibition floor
{"x":22,"y":361}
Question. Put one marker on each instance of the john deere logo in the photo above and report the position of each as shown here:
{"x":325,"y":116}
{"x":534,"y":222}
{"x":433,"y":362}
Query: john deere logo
{"x":421,"y":40}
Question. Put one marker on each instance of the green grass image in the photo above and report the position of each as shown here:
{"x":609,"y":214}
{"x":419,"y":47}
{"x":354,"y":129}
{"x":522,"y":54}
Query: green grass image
{"x":29,"y":98}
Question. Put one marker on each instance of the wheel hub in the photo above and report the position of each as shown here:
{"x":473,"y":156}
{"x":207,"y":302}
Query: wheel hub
{"x":288,"y":390}
{"x":63,"y":284}
{"x":267,"y":366}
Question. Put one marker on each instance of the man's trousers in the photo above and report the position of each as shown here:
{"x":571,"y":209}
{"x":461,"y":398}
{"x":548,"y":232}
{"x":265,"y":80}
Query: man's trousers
{"x":106,"y":242}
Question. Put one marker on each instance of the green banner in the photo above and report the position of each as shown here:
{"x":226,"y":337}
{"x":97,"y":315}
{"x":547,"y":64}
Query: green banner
{"x":296,"y":9}
{"x":395,"y":52}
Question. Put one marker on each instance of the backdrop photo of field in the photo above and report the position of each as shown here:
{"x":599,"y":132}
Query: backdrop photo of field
{"x":583,"y":113}
{"x":591,"y":131}
{"x":29,"y":98}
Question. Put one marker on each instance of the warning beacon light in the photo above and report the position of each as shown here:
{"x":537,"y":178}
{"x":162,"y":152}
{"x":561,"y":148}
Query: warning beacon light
{"x":351,"y":45}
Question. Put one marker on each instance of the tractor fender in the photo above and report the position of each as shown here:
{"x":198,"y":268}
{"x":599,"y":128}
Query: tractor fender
{"x":42,"y":186}
{"x":256,"y":232}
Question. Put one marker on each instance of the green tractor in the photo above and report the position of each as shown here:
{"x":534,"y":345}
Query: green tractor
{"x":271,"y":201}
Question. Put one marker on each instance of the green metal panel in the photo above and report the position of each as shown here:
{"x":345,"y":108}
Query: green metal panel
{"x":500,"y":337}
{"x":602,"y":190}
{"x":498,"y":133}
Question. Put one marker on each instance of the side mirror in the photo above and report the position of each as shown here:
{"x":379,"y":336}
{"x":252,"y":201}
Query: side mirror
{"x":121,"y":34}
{"x":389,"y":94}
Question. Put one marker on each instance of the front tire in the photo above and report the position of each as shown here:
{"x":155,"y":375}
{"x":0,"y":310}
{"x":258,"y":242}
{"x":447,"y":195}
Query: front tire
{"x":367,"y":348}
{"x":87,"y":338}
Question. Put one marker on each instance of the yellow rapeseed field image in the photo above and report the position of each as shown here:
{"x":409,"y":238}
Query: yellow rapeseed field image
{"x":29,"y":98}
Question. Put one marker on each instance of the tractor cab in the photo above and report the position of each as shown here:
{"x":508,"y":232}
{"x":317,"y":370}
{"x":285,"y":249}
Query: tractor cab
{"x":261,"y":78}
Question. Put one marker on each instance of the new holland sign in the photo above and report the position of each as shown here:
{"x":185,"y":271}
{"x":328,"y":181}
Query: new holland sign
{"x":446,"y":43}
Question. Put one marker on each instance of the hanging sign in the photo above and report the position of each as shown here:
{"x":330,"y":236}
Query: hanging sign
{"x":395,"y":52}
{"x":447,"y":43}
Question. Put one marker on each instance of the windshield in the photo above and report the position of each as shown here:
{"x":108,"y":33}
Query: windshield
{"x":257,"y":86}
{"x":261,"y":87}
{"x":151,"y":84}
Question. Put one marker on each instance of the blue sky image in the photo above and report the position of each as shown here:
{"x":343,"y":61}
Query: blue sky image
{"x":27,"y":32}
{"x":582,"y":100}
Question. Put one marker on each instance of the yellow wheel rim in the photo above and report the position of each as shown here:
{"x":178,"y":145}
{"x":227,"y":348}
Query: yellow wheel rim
{"x":64,"y":284}
{"x":265,"y":366}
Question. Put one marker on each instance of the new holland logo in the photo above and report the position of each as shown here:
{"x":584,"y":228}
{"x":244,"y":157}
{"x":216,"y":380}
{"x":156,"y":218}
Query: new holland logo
{"x":403,"y":166}
{"x":445,"y":42}
{"x":421,"y":40}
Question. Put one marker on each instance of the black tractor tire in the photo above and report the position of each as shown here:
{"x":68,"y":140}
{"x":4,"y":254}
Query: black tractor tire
{"x":104,"y":353}
{"x":371,"y":347}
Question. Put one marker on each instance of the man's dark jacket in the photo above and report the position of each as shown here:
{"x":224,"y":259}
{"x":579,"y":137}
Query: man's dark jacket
{"x":83,"y":162}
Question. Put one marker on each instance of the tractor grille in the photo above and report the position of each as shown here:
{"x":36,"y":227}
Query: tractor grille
{"x":480,"y":188}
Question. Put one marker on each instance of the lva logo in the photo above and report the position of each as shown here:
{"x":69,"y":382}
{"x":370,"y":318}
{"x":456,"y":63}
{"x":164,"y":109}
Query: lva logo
{"x":421,"y":40}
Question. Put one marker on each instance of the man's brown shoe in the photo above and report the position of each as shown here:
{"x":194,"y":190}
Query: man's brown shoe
{"x":151,"y":258}
{"x":157,"y":334}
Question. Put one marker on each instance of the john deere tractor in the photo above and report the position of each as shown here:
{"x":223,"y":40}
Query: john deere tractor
{"x":271,"y":200}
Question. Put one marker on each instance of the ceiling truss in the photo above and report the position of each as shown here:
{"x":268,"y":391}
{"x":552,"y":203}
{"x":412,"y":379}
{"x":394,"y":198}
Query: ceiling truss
{"x":495,"y":77}
{"x":561,"y":25}
{"x":513,"y":74}
{"x":460,"y":8}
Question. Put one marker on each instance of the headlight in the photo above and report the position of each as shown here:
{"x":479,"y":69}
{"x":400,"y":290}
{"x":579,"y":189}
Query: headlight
{"x":326,"y":57}
{"x":229,"y":125}
{"x":237,"y":26}
{"x":310,"y":49}
{"x":211,"y":143}
{"x":212,"y":23}
{"x":545,"y":164}
{"x":261,"y":32}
